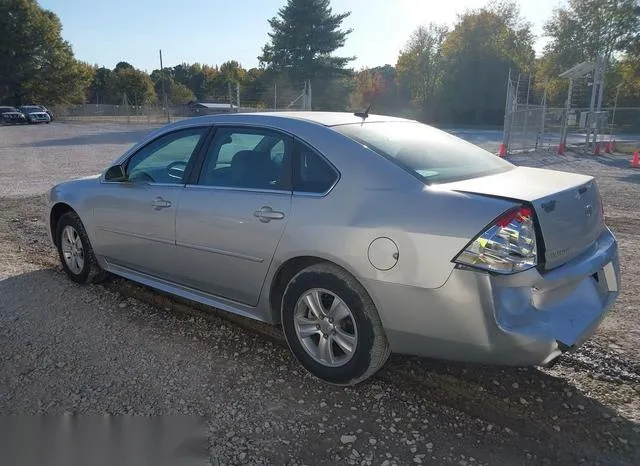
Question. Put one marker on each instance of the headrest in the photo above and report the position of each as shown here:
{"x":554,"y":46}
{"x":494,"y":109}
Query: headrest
{"x":246,"y":157}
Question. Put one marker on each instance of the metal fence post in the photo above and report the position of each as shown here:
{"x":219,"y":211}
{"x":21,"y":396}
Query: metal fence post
{"x":508,"y":115}
{"x":613,"y":115}
{"x":565,"y":116}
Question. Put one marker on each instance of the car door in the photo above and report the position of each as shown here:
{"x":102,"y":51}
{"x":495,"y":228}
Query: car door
{"x":135,"y":219}
{"x":230,"y":220}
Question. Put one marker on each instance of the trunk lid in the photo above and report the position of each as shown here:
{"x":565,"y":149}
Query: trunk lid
{"x":567,"y":206}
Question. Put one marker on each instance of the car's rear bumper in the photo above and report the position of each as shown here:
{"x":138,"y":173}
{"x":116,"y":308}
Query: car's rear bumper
{"x":528,"y":318}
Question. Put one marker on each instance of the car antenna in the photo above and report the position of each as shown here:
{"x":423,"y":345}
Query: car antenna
{"x":364,"y":115}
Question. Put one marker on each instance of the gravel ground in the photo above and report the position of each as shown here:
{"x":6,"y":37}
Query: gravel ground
{"x":121,"y":348}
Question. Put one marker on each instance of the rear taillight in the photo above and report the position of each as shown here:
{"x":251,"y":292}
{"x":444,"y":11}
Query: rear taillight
{"x":506,"y":246}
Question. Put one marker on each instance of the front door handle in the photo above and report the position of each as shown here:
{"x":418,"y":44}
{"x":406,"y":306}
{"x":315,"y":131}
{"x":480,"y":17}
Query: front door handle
{"x":266,"y":214}
{"x":159,"y":203}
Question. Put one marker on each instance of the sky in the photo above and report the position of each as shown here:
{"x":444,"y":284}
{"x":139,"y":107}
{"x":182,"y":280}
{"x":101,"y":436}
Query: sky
{"x":214,"y":31}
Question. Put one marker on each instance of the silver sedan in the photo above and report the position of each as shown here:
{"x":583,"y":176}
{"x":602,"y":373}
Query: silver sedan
{"x":360,"y":235}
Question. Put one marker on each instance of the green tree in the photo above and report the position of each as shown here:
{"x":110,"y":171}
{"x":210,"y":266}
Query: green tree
{"x":377,"y":87}
{"x":123,"y":65}
{"x":256,"y":92}
{"x":177,"y":93}
{"x":580,"y":32}
{"x":135,"y":84}
{"x":99,"y":89}
{"x":232,"y":71}
{"x":36,"y":64}
{"x":420,"y":68}
{"x":304,"y":36}
{"x":477,"y":55}
{"x":629,"y":71}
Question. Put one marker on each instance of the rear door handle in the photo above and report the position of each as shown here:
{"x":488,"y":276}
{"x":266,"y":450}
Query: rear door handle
{"x":266,"y":214}
{"x":159,"y":203}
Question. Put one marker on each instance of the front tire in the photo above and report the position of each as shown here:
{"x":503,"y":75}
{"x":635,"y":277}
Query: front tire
{"x":332,"y":326}
{"x":75,"y":251}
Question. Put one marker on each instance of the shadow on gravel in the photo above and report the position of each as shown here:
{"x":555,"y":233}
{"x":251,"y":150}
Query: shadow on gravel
{"x":536,"y":405}
{"x":537,"y":161}
{"x":545,"y":413}
{"x":113,"y":137}
{"x":612,"y":161}
{"x":542,"y":416}
{"x":631,"y":177}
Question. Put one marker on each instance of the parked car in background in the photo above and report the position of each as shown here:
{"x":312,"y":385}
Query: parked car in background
{"x":45,"y":109}
{"x":12,"y":116}
{"x":35,"y":114}
{"x":359,"y":234}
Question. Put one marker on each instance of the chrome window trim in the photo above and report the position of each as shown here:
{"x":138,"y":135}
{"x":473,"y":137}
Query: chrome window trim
{"x":309,"y":194}
{"x":231,"y":188}
{"x":296,"y":139}
{"x":142,"y":183}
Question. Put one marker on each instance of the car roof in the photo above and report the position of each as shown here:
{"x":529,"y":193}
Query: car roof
{"x":331,"y":118}
{"x":321,"y":118}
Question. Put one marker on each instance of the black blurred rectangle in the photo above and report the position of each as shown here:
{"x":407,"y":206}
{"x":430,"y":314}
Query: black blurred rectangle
{"x":103,"y":440}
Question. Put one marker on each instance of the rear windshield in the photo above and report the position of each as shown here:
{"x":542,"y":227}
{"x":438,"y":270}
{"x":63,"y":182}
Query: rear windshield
{"x":432,"y":155}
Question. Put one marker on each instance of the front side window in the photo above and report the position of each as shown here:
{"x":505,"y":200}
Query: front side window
{"x":165,"y":159}
{"x":311,"y":173}
{"x":247,"y":158}
{"x":432,"y":155}
{"x":30,"y":109}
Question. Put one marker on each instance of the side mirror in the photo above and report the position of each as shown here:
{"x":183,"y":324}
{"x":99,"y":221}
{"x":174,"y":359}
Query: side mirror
{"x":116,"y":173}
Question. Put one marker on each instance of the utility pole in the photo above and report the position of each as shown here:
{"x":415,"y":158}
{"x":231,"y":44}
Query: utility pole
{"x":238,"y":96}
{"x":164,"y":94}
{"x":230,"y":95}
{"x":275,"y":95}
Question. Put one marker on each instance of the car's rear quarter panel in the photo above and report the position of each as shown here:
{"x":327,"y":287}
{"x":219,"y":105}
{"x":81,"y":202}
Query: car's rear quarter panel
{"x":375,"y":198}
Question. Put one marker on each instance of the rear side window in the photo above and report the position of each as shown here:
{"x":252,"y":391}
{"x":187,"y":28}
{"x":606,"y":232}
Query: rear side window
{"x":248,"y":158}
{"x":311,"y":173}
{"x":432,"y":155}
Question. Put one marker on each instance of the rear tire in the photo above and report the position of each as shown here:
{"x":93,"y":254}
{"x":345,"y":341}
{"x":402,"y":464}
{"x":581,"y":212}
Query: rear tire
{"x":75,"y":251}
{"x":343,"y":343}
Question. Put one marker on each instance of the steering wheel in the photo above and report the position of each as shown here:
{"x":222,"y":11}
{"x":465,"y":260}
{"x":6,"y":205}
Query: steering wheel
{"x":179,"y":167}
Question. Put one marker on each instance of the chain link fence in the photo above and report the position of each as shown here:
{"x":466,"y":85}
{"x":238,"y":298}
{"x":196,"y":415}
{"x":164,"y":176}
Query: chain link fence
{"x":553,"y":129}
{"x":530,"y":124}
{"x":99,"y":113}
{"x":283,"y":98}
